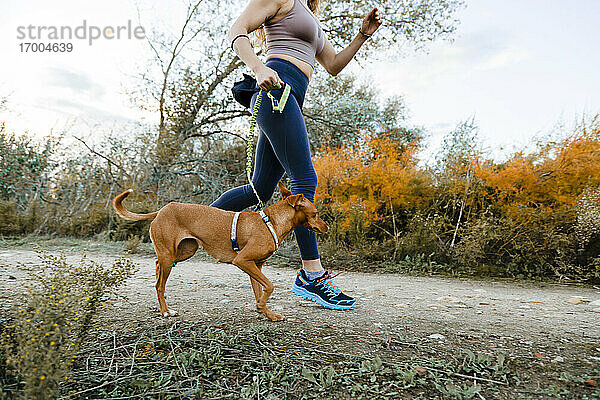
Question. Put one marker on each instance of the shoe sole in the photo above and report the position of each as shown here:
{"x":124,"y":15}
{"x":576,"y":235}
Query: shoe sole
{"x":305,"y":294}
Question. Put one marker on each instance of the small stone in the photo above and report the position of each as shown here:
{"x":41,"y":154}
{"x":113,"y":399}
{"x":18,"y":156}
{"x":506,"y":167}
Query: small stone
{"x":558,"y":359}
{"x":437,"y":336}
{"x":436,"y":306}
{"x":448,"y":299}
{"x":225,"y":301}
{"x":596,"y":310}
{"x":575,"y":300}
{"x":595,"y":303}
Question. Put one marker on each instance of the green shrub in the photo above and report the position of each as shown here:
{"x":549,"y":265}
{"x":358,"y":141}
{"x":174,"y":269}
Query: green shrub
{"x":536,"y":248}
{"x":131,"y":245}
{"x":10,"y":220}
{"x":425,"y":234}
{"x":42,"y":335}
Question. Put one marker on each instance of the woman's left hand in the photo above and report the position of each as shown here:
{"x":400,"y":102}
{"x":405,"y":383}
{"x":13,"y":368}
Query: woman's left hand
{"x":371,"y":22}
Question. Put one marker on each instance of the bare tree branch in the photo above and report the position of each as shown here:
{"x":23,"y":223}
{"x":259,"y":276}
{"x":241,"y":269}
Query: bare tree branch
{"x":174,"y":53}
{"x":104,"y":157}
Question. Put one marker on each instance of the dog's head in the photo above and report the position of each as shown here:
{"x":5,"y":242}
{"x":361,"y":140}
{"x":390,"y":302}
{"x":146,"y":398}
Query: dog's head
{"x":306,"y":212}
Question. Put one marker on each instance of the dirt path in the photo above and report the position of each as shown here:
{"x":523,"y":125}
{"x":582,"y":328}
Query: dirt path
{"x":404,"y":305}
{"x":532,"y":322}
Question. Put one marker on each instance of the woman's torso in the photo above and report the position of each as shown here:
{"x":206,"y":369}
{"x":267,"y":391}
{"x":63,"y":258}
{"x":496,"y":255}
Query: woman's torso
{"x":304,"y":66}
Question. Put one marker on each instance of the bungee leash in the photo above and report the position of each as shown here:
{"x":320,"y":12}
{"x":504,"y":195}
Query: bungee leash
{"x":276,"y":105}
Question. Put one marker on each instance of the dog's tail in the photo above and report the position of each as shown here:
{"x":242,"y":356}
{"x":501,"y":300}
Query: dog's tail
{"x":123,"y":212}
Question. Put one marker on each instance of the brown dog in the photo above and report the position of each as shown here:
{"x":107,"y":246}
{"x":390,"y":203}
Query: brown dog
{"x":178,"y":228}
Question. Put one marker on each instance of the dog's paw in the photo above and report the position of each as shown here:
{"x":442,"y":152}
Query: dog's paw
{"x":170,"y":313}
{"x":274,"y":316}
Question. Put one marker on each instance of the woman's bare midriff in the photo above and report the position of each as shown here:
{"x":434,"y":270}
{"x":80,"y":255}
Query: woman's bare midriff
{"x":303,"y":65}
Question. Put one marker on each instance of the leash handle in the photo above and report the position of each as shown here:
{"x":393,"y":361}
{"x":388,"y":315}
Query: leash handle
{"x":277,"y":105}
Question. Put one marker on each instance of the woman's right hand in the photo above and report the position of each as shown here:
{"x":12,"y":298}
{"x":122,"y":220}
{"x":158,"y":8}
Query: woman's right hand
{"x":267,"y":78}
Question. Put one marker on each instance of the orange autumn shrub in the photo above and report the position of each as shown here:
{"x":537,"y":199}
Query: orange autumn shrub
{"x":529,"y":210}
{"x":370,"y":190}
{"x":372,"y":178}
{"x":533,"y":215}
{"x":553,"y":177}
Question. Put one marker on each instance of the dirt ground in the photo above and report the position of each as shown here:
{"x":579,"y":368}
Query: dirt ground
{"x":535,"y":322}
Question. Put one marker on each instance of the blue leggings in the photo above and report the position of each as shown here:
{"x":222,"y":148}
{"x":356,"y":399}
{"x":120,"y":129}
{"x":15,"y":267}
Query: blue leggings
{"x":282,"y":147}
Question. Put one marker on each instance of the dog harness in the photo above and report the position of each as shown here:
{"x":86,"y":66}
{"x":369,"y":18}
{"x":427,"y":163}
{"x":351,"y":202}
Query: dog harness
{"x":266,"y":220}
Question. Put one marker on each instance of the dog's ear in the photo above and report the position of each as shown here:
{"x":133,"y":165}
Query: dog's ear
{"x":285,"y":193}
{"x":294,"y":200}
{"x":304,"y":202}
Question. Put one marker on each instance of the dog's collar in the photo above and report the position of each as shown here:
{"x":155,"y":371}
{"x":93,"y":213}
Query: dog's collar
{"x":267,"y":221}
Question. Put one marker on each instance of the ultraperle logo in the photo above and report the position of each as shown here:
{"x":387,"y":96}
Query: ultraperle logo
{"x":52,"y":38}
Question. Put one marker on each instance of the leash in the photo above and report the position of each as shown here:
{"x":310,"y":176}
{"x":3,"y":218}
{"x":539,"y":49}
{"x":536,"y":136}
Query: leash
{"x":276,"y":105}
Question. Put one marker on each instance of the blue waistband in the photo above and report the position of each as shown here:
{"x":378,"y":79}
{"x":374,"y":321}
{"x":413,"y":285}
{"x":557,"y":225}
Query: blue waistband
{"x":290,"y":73}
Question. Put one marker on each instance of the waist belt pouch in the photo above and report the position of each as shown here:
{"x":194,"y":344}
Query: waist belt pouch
{"x":244,"y":89}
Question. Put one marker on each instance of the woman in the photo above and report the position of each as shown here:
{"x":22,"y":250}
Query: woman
{"x":294,"y":39}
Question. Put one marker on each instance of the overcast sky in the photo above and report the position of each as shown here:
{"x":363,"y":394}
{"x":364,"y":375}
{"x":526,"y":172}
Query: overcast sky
{"x":519,"y":67}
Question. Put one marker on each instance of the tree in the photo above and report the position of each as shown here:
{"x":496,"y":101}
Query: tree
{"x":341,"y":111}
{"x":196,"y":67}
{"x":413,"y":22}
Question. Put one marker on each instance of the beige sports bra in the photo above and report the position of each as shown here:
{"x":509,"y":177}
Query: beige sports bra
{"x":297,"y":34}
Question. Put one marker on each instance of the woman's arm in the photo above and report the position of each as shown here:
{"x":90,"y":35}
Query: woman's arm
{"x":255,"y":14}
{"x":335,"y":62}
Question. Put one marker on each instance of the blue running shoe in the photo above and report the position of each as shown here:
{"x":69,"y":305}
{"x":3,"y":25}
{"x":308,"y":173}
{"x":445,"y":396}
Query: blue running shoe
{"x":322,"y":291}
